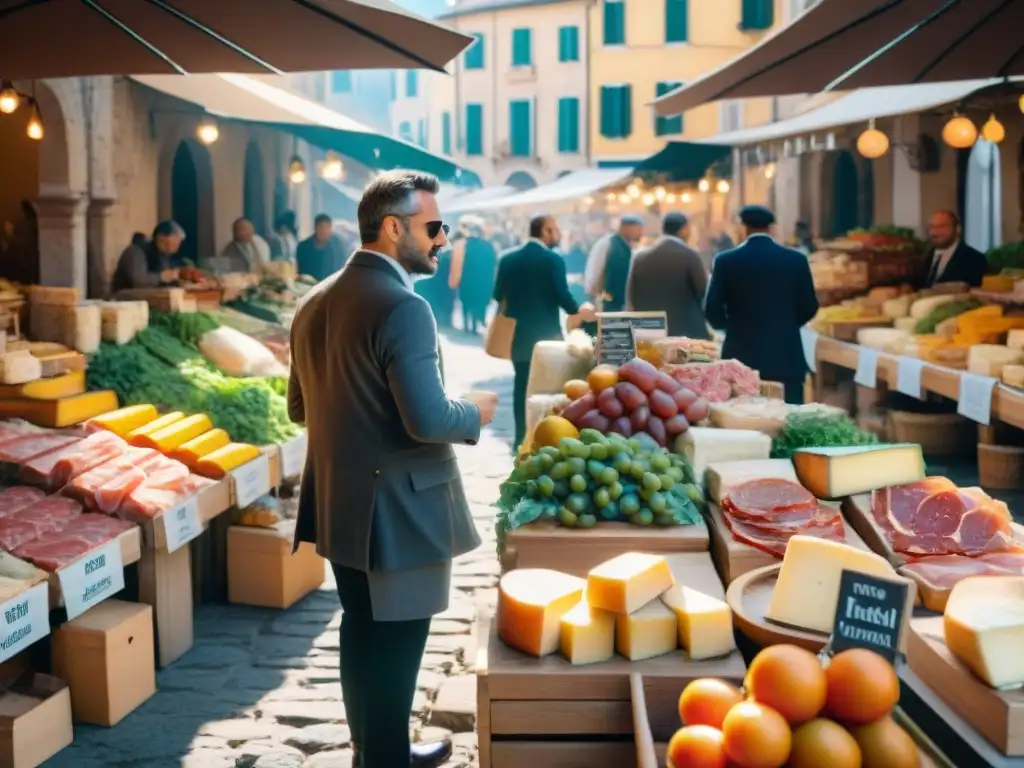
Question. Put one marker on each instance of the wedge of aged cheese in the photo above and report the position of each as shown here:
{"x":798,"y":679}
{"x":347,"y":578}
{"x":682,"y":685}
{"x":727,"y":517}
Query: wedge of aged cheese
{"x":808,"y":585}
{"x":1015,"y":339}
{"x":587,"y":634}
{"x":704,"y":622}
{"x":647,"y":632}
{"x":989,"y":359}
{"x":722,"y":476}
{"x":531,"y":603}
{"x":1013,"y":376}
{"x":703,"y":446}
{"x":62,"y":412}
{"x":838,"y":471}
{"x":628,"y":582}
{"x":984,"y":627}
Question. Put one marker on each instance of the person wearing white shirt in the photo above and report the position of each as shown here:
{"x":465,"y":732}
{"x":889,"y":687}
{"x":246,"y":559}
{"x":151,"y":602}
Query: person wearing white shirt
{"x":951,"y":260}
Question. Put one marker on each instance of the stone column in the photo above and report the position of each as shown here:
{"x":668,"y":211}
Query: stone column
{"x":102,"y":253}
{"x":62,"y":241}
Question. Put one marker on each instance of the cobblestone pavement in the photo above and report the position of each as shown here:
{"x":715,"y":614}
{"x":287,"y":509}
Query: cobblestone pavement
{"x":260,"y":688}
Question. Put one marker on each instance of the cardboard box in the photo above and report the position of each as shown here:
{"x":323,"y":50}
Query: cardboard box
{"x":263,"y":571}
{"x":107,"y":657}
{"x":35,"y":720}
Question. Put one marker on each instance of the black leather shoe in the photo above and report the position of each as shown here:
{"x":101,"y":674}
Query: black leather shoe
{"x":431,"y":754}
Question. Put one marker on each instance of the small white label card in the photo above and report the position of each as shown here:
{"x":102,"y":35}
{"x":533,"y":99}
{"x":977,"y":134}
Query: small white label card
{"x":182,"y":524}
{"x":92,"y":578}
{"x":26,"y":619}
{"x":975,"y":400}
{"x":867,"y":367}
{"x":252,"y":480}
{"x":908,"y":375}
{"x":809,"y":339}
{"x":293,"y":456}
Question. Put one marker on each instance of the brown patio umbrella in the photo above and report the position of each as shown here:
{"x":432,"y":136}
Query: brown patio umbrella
{"x":846,"y":44}
{"x":68,"y":38}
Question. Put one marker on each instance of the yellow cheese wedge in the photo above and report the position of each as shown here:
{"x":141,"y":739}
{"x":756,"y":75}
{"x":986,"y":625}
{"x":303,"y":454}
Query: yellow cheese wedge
{"x":154,"y":426}
{"x":124,"y":420}
{"x":984,"y":628}
{"x":808,"y":585}
{"x":175,"y":434}
{"x":705,"y":622}
{"x":628,"y":582}
{"x":645,"y":633}
{"x":835,"y":472}
{"x":587,"y":634}
{"x":62,"y":412}
{"x":47,"y":389}
{"x":531,"y":603}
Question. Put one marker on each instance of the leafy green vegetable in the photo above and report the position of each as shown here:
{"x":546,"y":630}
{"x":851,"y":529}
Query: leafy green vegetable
{"x":929,"y":322}
{"x":817,"y":430}
{"x":188,"y":327}
{"x":1006,"y":256}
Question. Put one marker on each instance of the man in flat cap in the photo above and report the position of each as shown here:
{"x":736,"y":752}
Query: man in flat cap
{"x":608,"y":266}
{"x":761,"y":294}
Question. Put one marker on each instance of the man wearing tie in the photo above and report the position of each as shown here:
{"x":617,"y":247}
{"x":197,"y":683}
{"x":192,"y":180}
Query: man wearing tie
{"x":952,"y":260}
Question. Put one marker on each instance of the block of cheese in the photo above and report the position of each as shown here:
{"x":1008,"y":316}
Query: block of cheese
{"x":989,"y":359}
{"x":721,"y":476}
{"x":46,"y":389}
{"x":707,"y":445}
{"x":120,"y":321}
{"x":62,"y":412}
{"x":82,"y":327}
{"x":647,"y":632}
{"x":896,"y":308}
{"x":155,"y":425}
{"x":997,"y":283}
{"x":1015,"y":339}
{"x":838,"y":471}
{"x":587,"y":634}
{"x":531,"y":604}
{"x":628,"y":582}
{"x":984,"y":628}
{"x":907,"y":324}
{"x":808,"y":585}
{"x":704,"y":622}
{"x":1013,"y":376}
{"x":20,"y":368}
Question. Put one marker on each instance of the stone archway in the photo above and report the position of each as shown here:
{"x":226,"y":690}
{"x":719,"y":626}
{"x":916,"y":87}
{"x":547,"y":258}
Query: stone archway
{"x":254,"y":198}
{"x":191,"y":200}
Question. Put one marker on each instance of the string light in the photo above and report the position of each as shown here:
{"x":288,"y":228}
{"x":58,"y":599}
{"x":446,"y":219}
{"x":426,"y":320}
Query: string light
{"x":769,"y":171}
{"x":35,"y":123}
{"x":704,"y":185}
{"x":625,"y":199}
{"x":207,"y":132}
{"x":296,"y":170}
{"x":670,"y":198}
{"x":10,"y":99}
{"x":993,"y":130}
{"x":611,"y":197}
{"x":633,"y":190}
{"x":687,"y":198}
{"x":648,"y":199}
{"x":723,"y":187}
{"x":960,"y":132}
{"x":872,"y":143}
{"x":332,"y":169}
{"x":660,"y":193}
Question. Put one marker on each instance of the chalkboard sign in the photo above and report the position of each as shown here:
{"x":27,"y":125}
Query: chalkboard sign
{"x":616,"y":343}
{"x":870,"y":613}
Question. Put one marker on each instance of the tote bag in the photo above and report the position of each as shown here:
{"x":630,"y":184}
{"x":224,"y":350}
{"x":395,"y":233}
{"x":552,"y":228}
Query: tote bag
{"x":500,"y":331}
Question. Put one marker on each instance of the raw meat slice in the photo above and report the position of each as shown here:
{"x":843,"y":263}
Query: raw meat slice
{"x":110,"y":495}
{"x":944,"y":571}
{"x":166,"y":474}
{"x":54,"y":470}
{"x":84,"y":487}
{"x":147,"y":502}
{"x":14,"y":430}
{"x":17,"y":498}
{"x":81,"y":535}
{"x":44,"y":517}
{"x":22,"y":449}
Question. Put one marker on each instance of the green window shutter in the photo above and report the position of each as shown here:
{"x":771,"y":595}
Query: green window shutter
{"x":446,"y":133}
{"x":614,"y":22}
{"x":569,"y":44}
{"x":522,"y":55}
{"x":474,"y":129}
{"x":474,"y":56}
{"x":569,"y":125}
{"x":520,"y":130}
{"x":757,"y":14}
{"x":677,"y":21}
{"x":616,"y":111}
{"x":341,"y":81}
{"x":626,"y":109}
{"x":421,"y":131}
{"x":411,"y":84}
{"x":405,"y":130}
{"x":667,"y":126}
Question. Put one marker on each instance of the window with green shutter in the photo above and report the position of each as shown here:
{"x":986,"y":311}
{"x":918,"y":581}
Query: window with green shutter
{"x":569,"y":125}
{"x":341,"y":81}
{"x":614,"y":22}
{"x":757,"y":14}
{"x":568,"y":43}
{"x":421,"y":133}
{"x":673,"y":124}
{"x":446,"y":133}
{"x":474,"y":56}
{"x":411,"y":83}
{"x":677,"y":21}
{"x":522,"y":44}
{"x":616,"y":111}
{"x":520,"y":128}
{"x":474,"y":129}
{"x":405,"y":130}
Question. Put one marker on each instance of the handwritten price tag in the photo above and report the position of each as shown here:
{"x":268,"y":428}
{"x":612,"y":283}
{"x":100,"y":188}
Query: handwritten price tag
{"x":182,"y":524}
{"x":809,"y":339}
{"x":908,"y":376}
{"x":25,"y":618}
{"x":251,"y":480}
{"x":92,"y":578}
{"x":293,"y":456}
{"x":867,"y":368}
{"x":975,"y":401}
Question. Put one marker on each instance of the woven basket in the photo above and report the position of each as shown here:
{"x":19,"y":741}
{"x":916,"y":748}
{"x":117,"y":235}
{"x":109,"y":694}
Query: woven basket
{"x":1001,"y":467}
{"x":938,"y":434}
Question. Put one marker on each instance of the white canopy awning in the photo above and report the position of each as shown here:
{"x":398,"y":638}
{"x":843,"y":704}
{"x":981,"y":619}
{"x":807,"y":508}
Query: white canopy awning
{"x":472,"y":200}
{"x":856,"y":107}
{"x":572,"y":185}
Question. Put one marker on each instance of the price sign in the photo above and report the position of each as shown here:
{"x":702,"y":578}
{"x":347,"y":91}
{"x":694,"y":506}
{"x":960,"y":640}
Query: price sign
{"x":293,"y":456}
{"x":867,"y":368}
{"x":908,"y":376}
{"x":616,"y":341}
{"x":870,"y":613}
{"x":975,"y":400}
{"x":92,"y":578}
{"x":26,"y":618}
{"x":182,"y":524}
{"x":251,"y":481}
{"x":809,"y":339}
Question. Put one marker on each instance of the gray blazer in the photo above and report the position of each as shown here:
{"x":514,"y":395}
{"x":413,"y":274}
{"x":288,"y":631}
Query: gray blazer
{"x":381,"y":488}
{"x":669,"y":276}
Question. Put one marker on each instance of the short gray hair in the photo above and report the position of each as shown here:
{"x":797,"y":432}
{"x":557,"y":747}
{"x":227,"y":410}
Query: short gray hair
{"x":391,"y":194}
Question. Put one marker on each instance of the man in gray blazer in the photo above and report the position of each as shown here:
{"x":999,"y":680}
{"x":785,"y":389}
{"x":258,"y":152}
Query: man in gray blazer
{"x":381,"y":493}
{"x":669,"y":277}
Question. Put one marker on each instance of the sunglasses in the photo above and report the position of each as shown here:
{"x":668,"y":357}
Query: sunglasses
{"x":434,"y":228}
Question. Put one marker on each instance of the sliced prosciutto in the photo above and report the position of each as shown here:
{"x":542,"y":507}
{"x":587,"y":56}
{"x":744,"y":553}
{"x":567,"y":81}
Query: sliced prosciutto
{"x":85,"y":486}
{"x":149,"y":501}
{"x":81,"y":535}
{"x":54,"y":470}
{"x":944,"y":571}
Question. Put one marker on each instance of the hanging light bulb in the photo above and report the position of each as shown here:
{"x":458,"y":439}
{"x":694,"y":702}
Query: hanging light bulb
{"x":872,"y":143}
{"x":34,"y":129}
{"x":207,"y":132}
{"x":769,"y":171}
{"x":687,"y":198}
{"x":993,"y":130}
{"x":9,"y":98}
{"x":660,"y":193}
{"x":723,"y":187}
{"x":648,"y":199}
{"x":959,"y":132}
{"x":332,"y":169}
{"x":704,"y":185}
{"x":625,"y":199}
{"x":611,"y":197}
{"x":670,"y":198}
{"x":296,"y":170}
{"x":633,"y":190}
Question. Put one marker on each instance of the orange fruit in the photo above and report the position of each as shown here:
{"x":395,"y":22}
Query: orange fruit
{"x":883,"y":744}
{"x":551,"y":429}
{"x":707,"y":701}
{"x":862,"y":687}
{"x":756,"y":736}
{"x":696,"y":746}
{"x":790,"y":680}
{"x":575,"y":389}
{"x":602,"y":377}
{"x":822,"y":742}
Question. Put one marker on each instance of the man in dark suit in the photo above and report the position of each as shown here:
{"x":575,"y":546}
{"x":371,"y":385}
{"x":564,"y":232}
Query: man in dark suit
{"x":381,"y":492}
{"x":532,"y":286}
{"x":761,"y":294}
{"x":669,"y":276}
{"x":951,"y":260}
